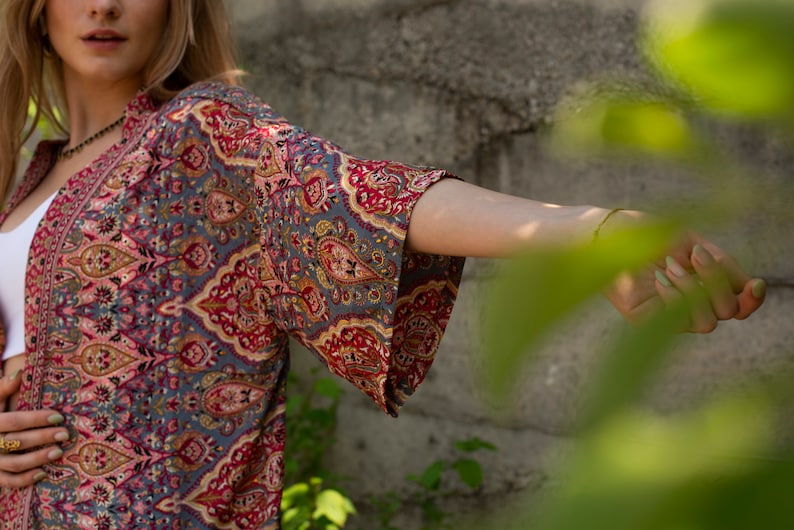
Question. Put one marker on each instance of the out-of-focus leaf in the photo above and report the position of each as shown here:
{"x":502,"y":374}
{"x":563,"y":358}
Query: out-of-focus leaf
{"x":294,"y":492}
{"x":469,"y":471}
{"x":654,"y":127}
{"x":647,"y":472}
{"x":334,"y":506}
{"x":294,"y":403}
{"x":430,"y":479}
{"x":626,"y":124}
{"x":627,"y":369}
{"x":46,"y":128}
{"x":474,"y":444}
{"x":537,"y":291}
{"x":328,"y":387}
{"x":432,"y":514}
{"x":734,"y":56}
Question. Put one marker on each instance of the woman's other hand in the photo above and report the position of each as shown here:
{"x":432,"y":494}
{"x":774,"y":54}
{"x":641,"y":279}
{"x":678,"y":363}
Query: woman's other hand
{"x":28,"y":439}
{"x":697,"y":272}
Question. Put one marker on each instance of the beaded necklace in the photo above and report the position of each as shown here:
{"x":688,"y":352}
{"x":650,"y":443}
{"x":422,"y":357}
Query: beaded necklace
{"x":65,"y":154}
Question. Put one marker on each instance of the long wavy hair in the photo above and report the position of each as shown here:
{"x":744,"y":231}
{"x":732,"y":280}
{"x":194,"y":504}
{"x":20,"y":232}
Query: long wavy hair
{"x":196,"y":46}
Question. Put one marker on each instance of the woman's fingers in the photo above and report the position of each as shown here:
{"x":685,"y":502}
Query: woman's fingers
{"x":702,"y":316}
{"x":23,"y":452}
{"x":710,"y":290}
{"x":21,"y":480}
{"x":17,"y":463}
{"x":24,"y":469}
{"x":634,"y":296}
{"x":23,"y":420}
{"x":749,"y":292}
{"x":671,"y":297}
{"x":13,"y":443}
{"x":28,"y":439}
{"x":735,"y":273}
{"x":751,"y":298}
{"x":710,"y":282}
{"x":717,"y":283}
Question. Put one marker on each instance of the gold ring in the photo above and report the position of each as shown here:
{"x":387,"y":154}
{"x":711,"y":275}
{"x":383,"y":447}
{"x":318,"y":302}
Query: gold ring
{"x":8,"y":446}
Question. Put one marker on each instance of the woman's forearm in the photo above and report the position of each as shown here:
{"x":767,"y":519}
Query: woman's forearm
{"x":460,"y":219}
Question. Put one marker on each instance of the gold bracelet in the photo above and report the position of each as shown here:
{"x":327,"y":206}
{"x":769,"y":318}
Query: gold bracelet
{"x":597,"y":231}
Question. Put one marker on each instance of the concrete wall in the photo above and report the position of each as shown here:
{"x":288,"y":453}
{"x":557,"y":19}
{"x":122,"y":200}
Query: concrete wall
{"x":470,"y":85}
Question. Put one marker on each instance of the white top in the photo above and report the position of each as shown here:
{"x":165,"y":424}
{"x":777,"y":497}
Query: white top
{"x":14,"y":249}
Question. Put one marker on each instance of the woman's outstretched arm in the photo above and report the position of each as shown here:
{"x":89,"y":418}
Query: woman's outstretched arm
{"x":455,"y":218}
{"x":460,"y":219}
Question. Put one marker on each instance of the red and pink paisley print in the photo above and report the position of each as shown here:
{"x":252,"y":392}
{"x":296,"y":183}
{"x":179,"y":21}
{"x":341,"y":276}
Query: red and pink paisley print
{"x":162,"y":287}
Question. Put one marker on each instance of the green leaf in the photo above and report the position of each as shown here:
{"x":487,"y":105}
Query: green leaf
{"x":293,"y":404}
{"x":288,"y":514}
{"x":295,"y":491}
{"x":432,"y":513}
{"x":632,"y":121}
{"x":635,"y":358}
{"x":653,"y":127}
{"x":539,"y":290}
{"x":734,"y":56}
{"x":328,"y":387}
{"x":290,"y":466}
{"x":469,"y":471}
{"x":334,"y":506}
{"x":321,"y":417}
{"x":431,"y":477}
{"x":641,"y":470}
{"x":474,"y":444}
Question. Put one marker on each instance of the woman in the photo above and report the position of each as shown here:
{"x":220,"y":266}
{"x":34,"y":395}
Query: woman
{"x":182,"y":233}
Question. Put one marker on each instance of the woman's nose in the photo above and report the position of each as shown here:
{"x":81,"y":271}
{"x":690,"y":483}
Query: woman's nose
{"x":104,"y":8}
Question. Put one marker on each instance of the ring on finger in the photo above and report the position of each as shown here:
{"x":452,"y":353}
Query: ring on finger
{"x":8,"y":445}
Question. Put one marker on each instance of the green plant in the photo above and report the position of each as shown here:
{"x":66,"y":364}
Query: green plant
{"x":311,"y":426}
{"x":433,"y":486}
{"x":309,"y":506}
{"x":387,"y":506}
{"x":312,"y":500}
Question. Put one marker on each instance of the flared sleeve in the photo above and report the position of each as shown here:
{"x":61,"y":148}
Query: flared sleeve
{"x":340,"y":278}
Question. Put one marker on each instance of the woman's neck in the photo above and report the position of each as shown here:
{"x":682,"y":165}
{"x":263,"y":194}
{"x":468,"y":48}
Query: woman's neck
{"x":93,"y":107}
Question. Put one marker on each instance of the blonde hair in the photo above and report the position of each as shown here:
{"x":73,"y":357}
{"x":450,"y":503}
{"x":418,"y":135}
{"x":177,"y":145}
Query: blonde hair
{"x":196,"y":46}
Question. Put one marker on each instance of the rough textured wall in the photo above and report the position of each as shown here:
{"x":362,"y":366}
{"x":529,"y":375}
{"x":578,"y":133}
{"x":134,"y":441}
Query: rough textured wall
{"x":470,"y":85}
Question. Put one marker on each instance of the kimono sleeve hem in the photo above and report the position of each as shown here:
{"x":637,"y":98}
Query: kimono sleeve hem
{"x":426,"y":294}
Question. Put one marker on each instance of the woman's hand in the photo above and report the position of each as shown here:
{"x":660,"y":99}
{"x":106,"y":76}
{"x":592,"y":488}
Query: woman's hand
{"x":698,"y":272}
{"x":28,"y":439}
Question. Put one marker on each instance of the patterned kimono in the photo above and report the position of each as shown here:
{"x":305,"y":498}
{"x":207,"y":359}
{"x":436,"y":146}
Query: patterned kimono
{"x":163,"y":284}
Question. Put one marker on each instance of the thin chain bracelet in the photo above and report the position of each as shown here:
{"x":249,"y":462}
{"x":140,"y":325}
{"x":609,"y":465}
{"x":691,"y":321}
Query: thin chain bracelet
{"x":597,"y":231}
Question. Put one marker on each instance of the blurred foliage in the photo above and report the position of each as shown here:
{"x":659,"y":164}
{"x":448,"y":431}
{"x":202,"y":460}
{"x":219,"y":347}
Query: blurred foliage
{"x":538,"y":291}
{"x":44,"y":127}
{"x":312,"y":499}
{"x":308,"y":505}
{"x":434,"y":485}
{"x":722,"y":465}
{"x":735,"y":57}
{"x":311,"y":427}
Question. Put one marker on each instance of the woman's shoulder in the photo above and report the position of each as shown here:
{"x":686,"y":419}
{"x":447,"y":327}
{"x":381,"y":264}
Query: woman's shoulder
{"x":231,"y":97}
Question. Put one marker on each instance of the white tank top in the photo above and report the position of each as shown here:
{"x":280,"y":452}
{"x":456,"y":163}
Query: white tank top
{"x":14,"y":249}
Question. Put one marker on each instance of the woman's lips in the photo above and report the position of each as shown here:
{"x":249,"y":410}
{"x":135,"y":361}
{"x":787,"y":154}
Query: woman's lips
{"x":103,"y":40}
